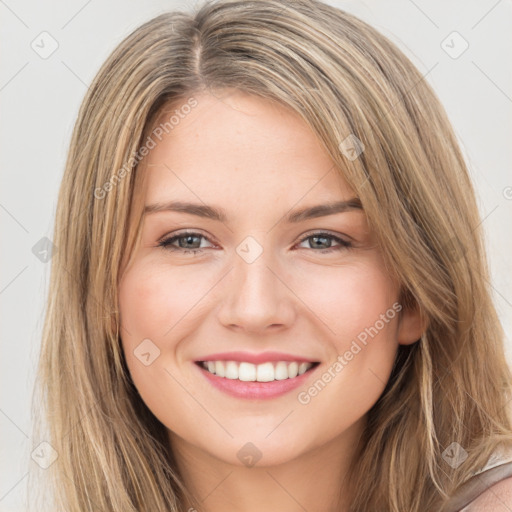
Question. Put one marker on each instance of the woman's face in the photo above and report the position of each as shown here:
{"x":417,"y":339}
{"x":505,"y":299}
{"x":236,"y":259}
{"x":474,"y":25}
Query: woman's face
{"x":272,"y":275}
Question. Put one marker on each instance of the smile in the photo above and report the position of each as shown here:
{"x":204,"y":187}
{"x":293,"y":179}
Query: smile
{"x":248,"y":372}
{"x":262,"y":381}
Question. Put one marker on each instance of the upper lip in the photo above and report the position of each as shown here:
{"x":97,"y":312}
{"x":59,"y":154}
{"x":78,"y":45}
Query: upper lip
{"x":253,"y":358}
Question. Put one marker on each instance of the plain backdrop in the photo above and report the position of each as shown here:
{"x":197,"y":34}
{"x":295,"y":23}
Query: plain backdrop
{"x":40,"y":95}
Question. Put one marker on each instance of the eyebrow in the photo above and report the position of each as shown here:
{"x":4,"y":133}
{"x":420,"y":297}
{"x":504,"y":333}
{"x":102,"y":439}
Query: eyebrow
{"x":218,"y":214}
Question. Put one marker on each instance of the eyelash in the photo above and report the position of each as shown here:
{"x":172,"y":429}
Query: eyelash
{"x":166,"y":243}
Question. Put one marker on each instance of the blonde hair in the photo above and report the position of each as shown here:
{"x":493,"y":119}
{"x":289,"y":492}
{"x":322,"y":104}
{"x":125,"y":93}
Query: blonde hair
{"x":344,"y":79}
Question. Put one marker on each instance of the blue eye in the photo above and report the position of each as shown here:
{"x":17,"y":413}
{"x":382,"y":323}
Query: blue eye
{"x":188,"y":239}
{"x":319,"y":238}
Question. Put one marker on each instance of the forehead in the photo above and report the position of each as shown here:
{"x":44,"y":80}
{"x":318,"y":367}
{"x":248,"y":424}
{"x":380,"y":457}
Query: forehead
{"x":239,"y":145}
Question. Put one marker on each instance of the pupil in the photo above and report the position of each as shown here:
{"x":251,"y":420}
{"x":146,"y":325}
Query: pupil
{"x":320,"y":238}
{"x":188,"y":239}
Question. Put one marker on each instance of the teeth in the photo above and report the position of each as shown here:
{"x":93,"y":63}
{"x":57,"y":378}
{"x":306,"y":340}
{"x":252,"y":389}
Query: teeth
{"x":231,"y":370}
{"x":281,"y":371}
{"x":248,"y":372}
{"x":302,"y":368}
{"x":293,"y":370}
{"x":245,"y":371}
{"x":265,"y":372}
{"x":219,"y":369}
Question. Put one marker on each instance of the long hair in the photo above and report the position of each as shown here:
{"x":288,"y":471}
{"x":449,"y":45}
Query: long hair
{"x":447,"y":391}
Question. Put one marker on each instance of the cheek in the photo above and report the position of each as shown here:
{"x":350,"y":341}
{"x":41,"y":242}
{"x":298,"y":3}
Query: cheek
{"x":337,"y":306}
{"x":154,"y":302}
{"x":143,"y":303}
{"x":348,"y":299}
{"x":359,"y":313}
{"x":359,"y":309}
{"x":153,"y":309}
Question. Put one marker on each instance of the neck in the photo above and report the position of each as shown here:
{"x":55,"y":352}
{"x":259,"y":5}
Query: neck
{"x":314,"y":480}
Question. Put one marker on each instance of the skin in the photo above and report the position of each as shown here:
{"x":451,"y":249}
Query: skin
{"x":258,"y":161}
{"x":497,"y":498}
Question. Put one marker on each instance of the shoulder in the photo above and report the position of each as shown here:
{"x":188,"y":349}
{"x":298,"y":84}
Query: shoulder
{"x":497,"y":498}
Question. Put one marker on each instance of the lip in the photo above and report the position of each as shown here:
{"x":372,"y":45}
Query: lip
{"x":256,"y":390}
{"x":248,"y":357}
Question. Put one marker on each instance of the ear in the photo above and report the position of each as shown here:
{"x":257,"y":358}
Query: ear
{"x":411,"y":324}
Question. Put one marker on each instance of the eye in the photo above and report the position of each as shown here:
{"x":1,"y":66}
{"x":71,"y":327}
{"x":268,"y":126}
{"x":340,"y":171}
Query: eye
{"x":187,"y":243}
{"x":190,"y":242}
{"x":321,"y":240}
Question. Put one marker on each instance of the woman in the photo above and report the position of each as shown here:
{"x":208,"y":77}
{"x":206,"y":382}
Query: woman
{"x":270,"y":290}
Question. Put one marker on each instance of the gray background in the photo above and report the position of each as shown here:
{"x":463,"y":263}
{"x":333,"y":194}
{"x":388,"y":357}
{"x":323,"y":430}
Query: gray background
{"x":40,"y":98}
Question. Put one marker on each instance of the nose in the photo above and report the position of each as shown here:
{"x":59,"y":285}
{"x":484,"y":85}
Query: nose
{"x":256,"y":297}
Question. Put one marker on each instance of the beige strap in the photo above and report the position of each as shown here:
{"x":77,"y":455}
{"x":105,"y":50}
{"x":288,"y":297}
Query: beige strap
{"x":476,"y":485}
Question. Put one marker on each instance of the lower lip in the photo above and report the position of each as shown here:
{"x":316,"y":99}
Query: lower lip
{"x":256,"y":390}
